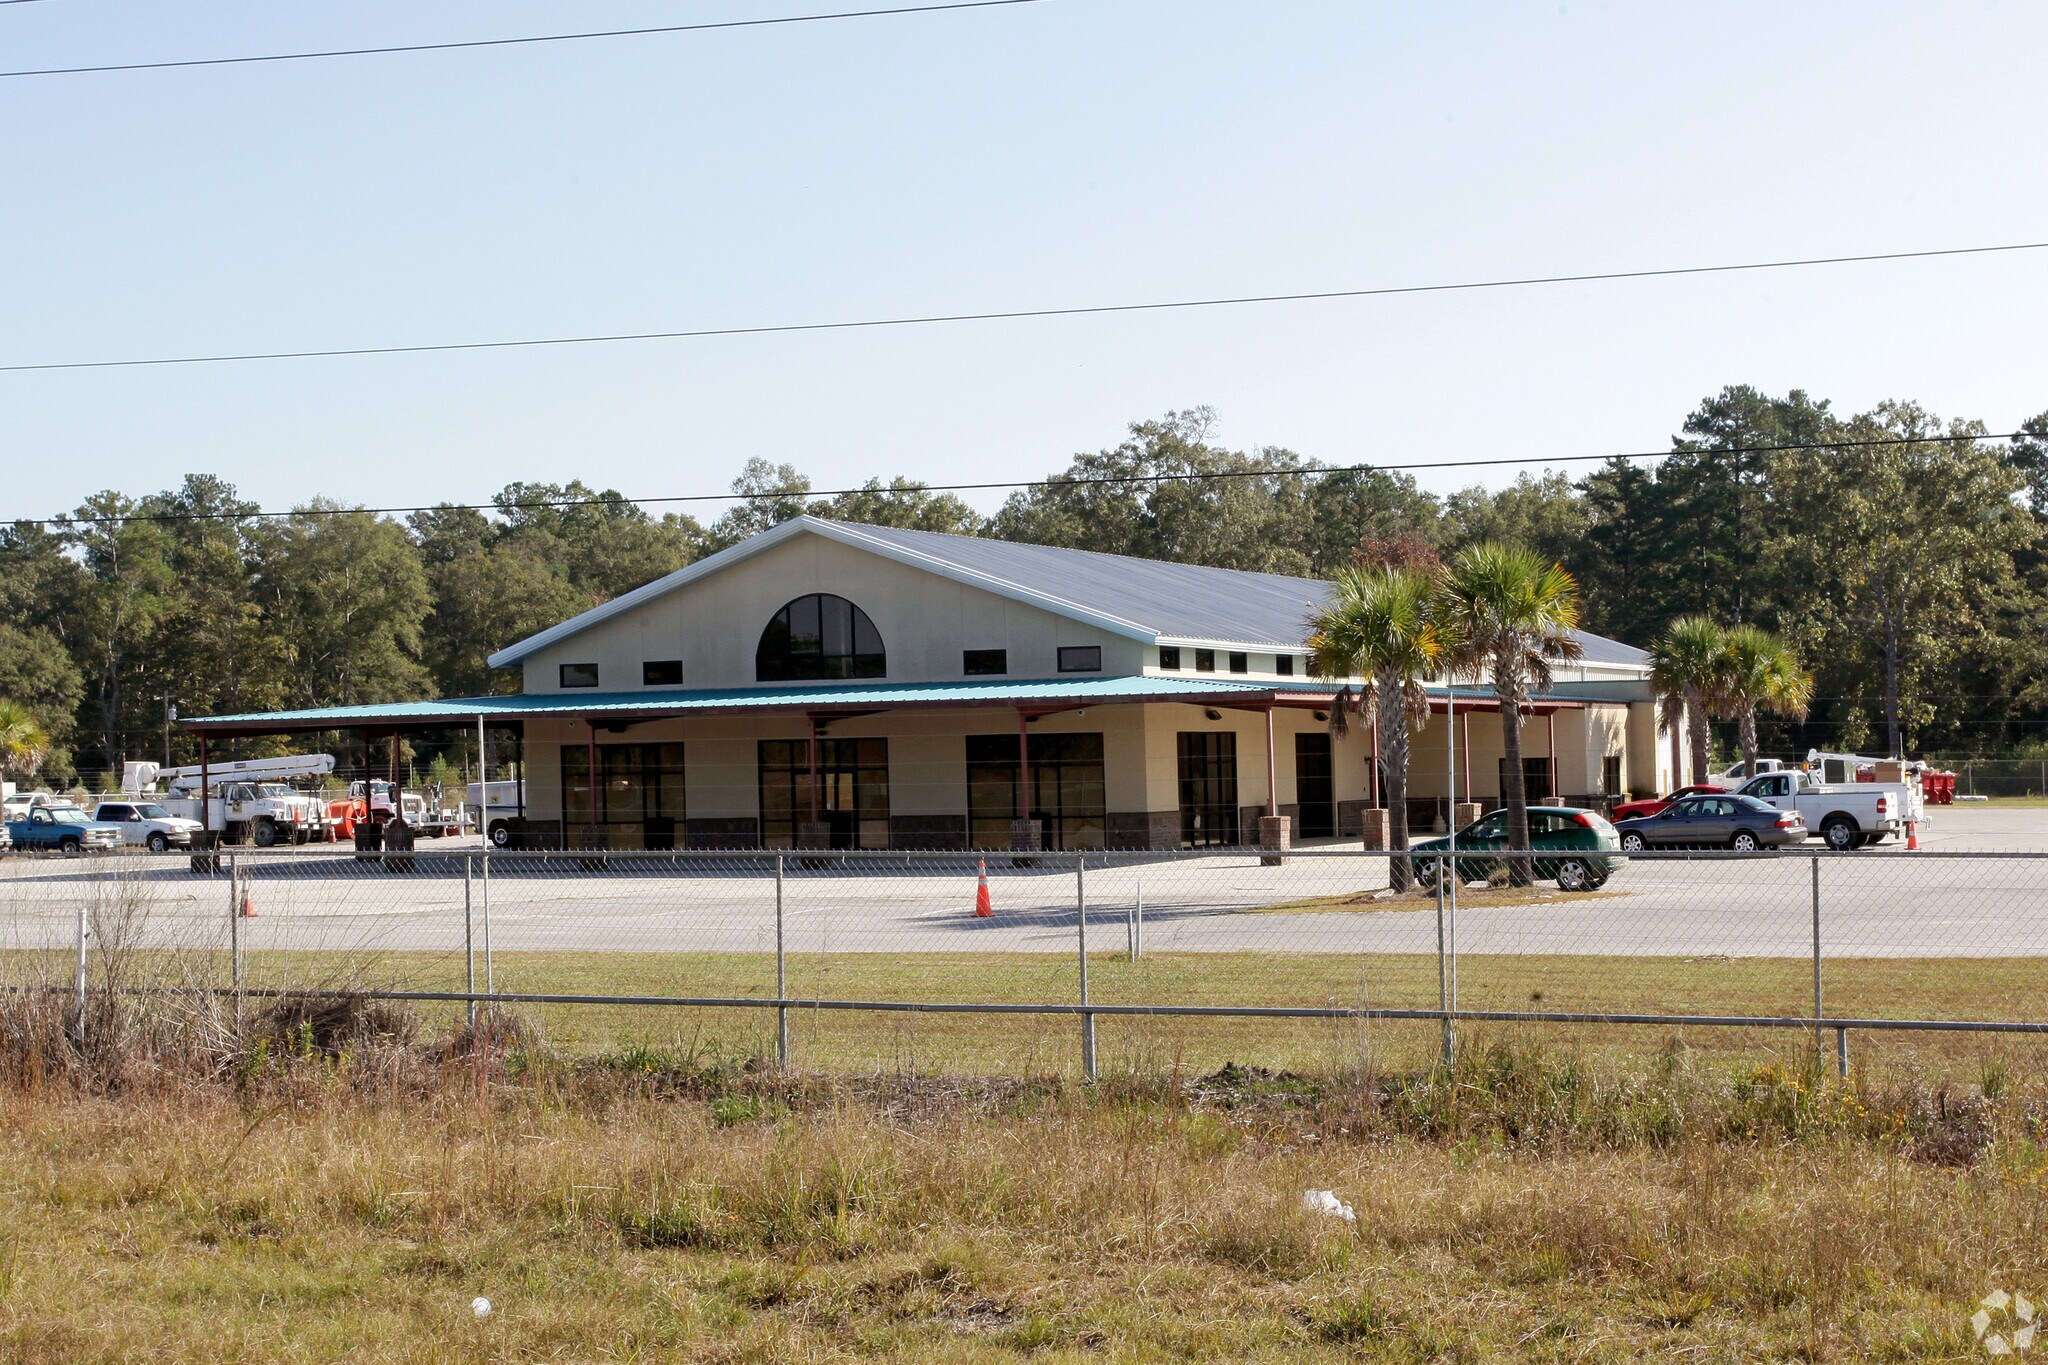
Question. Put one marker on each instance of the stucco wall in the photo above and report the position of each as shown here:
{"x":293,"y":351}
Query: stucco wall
{"x":714,"y":624}
{"x":927,"y":755}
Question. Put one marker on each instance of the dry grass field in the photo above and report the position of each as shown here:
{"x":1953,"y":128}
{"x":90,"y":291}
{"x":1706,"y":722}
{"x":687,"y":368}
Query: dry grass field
{"x":341,"y":1181}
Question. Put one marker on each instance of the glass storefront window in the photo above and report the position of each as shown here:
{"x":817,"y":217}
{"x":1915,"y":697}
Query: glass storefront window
{"x":639,"y":797}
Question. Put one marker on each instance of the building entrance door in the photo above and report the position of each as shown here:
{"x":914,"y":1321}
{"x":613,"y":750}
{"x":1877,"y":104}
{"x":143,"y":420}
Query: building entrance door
{"x":1068,"y":795}
{"x":1314,"y":787}
{"x":853,"y":791}
{"x":1208,"y":788}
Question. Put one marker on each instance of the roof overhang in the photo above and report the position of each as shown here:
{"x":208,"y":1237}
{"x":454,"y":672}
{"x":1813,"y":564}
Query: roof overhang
{"x":1038,"y":696}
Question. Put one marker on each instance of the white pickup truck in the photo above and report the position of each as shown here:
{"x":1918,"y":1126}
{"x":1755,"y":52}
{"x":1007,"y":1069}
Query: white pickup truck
{"x":1737,"y":773}
{"x":1846,"y":815}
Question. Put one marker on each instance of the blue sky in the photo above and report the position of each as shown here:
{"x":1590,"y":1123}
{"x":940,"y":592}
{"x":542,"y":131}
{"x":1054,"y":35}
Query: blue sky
{"x":1063,"y":152}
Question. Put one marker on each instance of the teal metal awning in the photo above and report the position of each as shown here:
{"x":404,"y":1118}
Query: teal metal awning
{"x":1042,"y":694}
{"x":823,"y":698}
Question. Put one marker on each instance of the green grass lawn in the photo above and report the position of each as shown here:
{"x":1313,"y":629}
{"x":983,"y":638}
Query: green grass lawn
{"x":1941,"y":988}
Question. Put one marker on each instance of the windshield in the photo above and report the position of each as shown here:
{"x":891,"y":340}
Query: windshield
{"x":272,"y":791}
{"x":152,"y":812}
{"x":68,"y":815}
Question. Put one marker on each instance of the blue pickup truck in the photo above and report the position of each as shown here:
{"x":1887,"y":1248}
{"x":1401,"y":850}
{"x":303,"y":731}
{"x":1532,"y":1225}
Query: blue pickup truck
{"x":63,"y":828}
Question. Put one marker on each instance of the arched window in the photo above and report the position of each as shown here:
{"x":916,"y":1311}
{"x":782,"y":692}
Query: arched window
{"x":819,"y":636}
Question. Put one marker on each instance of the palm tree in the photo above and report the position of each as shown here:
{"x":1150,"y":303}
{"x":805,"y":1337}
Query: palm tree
{"x":1377,"y":626}
{"x":1760,"y":670}
{"x":1511,"y":616}
{"x":24,"y":744}
{"x":1689,"y":673}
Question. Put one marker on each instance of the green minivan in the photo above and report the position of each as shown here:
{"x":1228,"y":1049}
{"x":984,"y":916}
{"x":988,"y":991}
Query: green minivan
{"x":1591,"y":844}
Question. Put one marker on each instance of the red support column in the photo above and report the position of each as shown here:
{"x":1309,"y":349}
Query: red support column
{"x":1372,"y":774}
{"x":591,"y":788}
{"x":1550,"y":721}
{"x":1272,"y":780}
{"x":1023,"y":766}
{"x":812,"y":758}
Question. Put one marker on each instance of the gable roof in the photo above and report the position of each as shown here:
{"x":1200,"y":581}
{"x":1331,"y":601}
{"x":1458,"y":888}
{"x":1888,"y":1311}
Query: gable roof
{"x":1156,"y":601}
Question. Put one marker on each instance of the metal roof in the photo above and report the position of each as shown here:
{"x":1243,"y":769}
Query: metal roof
{"x":652,"y":703}
{"x":1152,"y":600}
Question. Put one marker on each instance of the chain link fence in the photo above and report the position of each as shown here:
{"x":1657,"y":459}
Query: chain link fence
{"x":1996,"y":777}
{"x":844,"y":960}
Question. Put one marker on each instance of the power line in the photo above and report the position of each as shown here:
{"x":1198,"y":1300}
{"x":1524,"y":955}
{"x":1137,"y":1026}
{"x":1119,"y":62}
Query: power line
{"x":1019,"y":313}
{"x":1200,"y":476}
{"x":505,"y":42}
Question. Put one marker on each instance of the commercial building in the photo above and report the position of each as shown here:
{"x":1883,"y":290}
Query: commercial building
{"x":832,"y":685}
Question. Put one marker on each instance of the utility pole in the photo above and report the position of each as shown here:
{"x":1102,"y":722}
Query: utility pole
{"x":170,"y":714}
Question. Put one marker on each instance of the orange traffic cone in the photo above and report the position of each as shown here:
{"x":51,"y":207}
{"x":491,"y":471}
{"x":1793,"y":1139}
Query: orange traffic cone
{"x":983,"y":909}
{"x":1913,"y":834}
{"x":248,"y":905}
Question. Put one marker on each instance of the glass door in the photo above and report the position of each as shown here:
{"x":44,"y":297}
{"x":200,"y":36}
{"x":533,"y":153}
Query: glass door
{"x":1314,"y":787}
{"x":1208,"y":789}
{"x":1069,"y":797}
{"x":853,"y":791}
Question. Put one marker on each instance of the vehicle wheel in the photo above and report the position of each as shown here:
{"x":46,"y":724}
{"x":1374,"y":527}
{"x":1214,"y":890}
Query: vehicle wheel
{"x":1743,"y":842}
{"x":1631,"y":842}
{"x":1574,"y":875}
{"x":501,"y":835}
{"x":1839,"y":832}
{"x":70,"y":848}
{"x":158,"y":843}
{"x":265,"y":833}
{"x":1425,"y":871}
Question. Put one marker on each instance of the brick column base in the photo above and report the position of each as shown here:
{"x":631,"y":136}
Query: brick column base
{"x":1275,"y":838}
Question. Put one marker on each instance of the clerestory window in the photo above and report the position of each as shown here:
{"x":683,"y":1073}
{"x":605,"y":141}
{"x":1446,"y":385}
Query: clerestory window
{"x":819,"y":637}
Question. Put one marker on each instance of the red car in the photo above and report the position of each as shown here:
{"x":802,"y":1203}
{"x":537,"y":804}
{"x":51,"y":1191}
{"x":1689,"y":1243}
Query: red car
{"x":1651,"y":805}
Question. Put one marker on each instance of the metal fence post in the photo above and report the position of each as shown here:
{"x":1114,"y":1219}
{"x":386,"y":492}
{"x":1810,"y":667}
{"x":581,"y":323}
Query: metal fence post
{"x":80,"y":982}
{"x":1443,"y":974}
{"x":235,"y":930}
{"x":490,"y":963}
{"x":1081,"y":935}
{"x":1134,"y":921}
{"x":468,"y":940}
{"x":781,"y":976}
{"x":1818,"y":1013}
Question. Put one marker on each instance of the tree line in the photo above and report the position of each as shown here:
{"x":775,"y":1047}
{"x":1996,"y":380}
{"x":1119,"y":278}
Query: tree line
{"x":1909,"y":573}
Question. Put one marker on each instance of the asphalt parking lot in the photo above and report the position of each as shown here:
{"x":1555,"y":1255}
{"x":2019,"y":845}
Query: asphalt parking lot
{"x":1947,"y":900}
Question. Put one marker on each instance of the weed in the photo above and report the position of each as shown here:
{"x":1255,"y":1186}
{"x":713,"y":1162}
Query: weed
{"x":1359,"y":1321}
